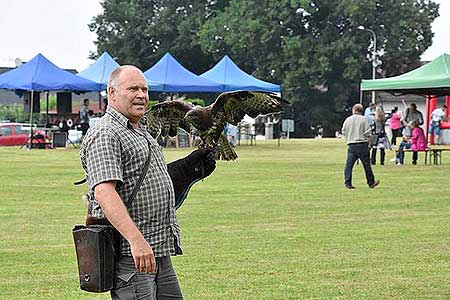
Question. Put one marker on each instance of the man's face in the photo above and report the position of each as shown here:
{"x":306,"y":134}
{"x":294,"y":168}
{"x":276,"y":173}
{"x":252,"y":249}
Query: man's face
{"x":130,"y":94}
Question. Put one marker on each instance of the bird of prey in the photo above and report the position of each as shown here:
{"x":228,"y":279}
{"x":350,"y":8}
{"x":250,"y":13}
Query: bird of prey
{"x":163,"y":119}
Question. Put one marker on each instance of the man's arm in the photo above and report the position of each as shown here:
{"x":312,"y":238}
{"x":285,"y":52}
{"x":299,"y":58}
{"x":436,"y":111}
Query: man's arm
{"x":344,"y":128}
{"x":420,"y":118}
{"x":117,"y":214}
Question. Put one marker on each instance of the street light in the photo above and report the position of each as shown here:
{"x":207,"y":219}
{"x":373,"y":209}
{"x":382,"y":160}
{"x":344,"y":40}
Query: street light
{"x":374,"y":58}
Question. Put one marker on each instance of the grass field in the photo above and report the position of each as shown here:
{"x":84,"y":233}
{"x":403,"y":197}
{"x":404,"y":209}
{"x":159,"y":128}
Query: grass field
{"x":275,"y":224}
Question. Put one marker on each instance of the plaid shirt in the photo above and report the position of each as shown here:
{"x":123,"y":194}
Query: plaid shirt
{"x":113,"y":150}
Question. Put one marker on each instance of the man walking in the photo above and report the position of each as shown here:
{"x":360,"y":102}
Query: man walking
{"x":357,"y":132}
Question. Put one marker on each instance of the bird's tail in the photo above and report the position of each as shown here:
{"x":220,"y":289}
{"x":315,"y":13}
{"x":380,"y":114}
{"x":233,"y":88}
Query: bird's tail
{"x":226,"y":152}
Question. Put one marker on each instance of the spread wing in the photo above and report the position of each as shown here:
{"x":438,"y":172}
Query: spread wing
{"x":231,"y":107}
{"x":164,"y":118}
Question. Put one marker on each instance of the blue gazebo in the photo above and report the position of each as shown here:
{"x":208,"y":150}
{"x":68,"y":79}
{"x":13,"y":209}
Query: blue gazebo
{"x":173,"y":77}
{"x":228,"y":74}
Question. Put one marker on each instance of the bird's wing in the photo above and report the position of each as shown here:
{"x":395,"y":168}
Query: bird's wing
{"x":163,"y":119}
{"x":231,"y":107}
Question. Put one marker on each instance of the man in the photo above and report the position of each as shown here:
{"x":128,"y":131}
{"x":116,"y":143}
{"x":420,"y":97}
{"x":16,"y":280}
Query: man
{"x":113,"y":154}
{"x":357,"y":132}
{"x":83,"y":117}
{"x":437,"y":116}
{"x":412,"y":114}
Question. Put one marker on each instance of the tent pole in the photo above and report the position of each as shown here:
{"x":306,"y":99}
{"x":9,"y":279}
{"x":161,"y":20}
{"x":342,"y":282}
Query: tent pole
{"x":99,"y":102}
{"x":31,"y":120}
{"x":360,"y":96}
{"x":427,"y":124}
{"x":46,"y":110}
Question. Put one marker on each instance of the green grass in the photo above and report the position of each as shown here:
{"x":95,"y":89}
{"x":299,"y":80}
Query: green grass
{"x":275,"y":224}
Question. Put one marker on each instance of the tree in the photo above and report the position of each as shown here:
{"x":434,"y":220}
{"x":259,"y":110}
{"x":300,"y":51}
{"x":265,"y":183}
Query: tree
{"x":140,"y":32}
{"x":315,"y":49}
{"x":311,"y":47}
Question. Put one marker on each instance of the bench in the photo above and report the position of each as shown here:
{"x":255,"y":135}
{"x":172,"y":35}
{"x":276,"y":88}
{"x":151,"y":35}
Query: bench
{"x":436,"y":152}
{"x":433,"y":152}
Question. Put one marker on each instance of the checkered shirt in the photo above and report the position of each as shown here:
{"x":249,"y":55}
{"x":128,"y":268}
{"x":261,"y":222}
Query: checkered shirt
{"x":113,"y":150}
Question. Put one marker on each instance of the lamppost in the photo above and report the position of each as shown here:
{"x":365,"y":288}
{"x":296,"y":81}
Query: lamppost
{"x":374,"y":57}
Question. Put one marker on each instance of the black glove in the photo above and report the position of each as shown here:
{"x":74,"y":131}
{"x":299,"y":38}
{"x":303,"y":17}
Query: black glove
{"x":187,"y":171}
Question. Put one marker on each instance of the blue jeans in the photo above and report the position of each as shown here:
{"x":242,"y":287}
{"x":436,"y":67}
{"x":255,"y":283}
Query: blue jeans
{"x":401,"y":153}
{"x":133,"y":285}
{"x":354,"y":152}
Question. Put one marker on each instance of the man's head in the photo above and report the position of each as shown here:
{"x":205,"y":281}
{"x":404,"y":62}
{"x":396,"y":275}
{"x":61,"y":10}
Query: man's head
{"x":357,"y":109}
{"x":86,"y":102}
{"x":444,"y":107}
{"x":128,"y":92}
{"x":372,"y":106}
{"x":413,"y":106}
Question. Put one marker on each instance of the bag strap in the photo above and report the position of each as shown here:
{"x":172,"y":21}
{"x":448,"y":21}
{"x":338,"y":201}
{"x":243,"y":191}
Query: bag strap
{"x":141,"y":178}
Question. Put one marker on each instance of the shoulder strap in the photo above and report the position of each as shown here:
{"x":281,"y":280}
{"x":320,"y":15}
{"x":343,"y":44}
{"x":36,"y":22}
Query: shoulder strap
{"x":141,"y":178}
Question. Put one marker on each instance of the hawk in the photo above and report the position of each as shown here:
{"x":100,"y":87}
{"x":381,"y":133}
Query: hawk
{"x":163,"y":119}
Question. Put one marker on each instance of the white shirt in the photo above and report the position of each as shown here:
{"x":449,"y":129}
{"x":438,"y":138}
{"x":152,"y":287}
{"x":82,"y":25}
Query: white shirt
{"x":438,"y":115}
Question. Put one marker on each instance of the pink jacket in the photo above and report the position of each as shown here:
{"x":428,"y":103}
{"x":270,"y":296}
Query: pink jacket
{"x":418,"y":141}
{"x":394,"y":122}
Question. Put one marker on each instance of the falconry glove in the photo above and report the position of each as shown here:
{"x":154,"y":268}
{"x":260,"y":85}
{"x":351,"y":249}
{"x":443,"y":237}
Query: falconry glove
{"x":185,"y":172}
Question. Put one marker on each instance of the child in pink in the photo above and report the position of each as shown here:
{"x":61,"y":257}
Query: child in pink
{"x":417,"y":142}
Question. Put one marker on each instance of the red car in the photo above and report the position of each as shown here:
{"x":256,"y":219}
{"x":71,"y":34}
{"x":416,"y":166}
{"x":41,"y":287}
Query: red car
{"x":14,"y":134}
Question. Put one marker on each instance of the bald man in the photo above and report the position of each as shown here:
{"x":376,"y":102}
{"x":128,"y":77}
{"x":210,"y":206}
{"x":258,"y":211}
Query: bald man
{"x":357,"y":132}
{"x":113,"y":154}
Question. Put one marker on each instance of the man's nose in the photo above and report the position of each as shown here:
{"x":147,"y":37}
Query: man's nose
{"x":142,"y":93}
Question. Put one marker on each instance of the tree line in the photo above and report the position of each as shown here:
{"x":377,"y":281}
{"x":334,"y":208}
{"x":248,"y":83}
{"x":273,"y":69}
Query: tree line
{"x":311,"y":47}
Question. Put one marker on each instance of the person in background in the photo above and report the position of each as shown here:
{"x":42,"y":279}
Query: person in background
{"x":83,"y":117}
{"x":357,"y":132}
{"x":379,"y":136}
{"x":369,"y":113}
{"x":395,"y":125}
{"x":412,"y":114}
{"x":437,"y":116}
{"x":417,"y":142}
{"x":232,"y":132}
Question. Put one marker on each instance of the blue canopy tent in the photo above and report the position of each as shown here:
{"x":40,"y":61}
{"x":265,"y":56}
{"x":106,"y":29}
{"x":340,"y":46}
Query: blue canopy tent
{"x":100,"y":70}
{"x":173,"y":77}
{"x":227,"y":73}
{"x":39,"y":74}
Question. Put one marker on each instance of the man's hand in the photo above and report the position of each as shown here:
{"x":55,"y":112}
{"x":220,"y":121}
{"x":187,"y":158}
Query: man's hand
{"x":187,"y":171}
{"x":143,"y":256}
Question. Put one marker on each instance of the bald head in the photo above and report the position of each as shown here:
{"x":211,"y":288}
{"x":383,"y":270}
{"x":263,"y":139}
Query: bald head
{"x":357,"y":109}
{"x":114,"y":76}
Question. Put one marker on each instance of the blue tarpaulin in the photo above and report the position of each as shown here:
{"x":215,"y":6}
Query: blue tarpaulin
{"x":100,"y":70}
{"x":39,"y":74}
{"x":173,"y":77}
{"x":227,"y":73}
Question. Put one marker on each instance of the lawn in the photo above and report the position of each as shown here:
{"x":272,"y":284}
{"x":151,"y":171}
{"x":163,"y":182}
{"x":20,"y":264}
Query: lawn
{"x":275,"y":224}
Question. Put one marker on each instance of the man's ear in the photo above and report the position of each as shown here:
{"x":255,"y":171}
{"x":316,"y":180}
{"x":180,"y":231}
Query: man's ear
{"x":111,"y":94}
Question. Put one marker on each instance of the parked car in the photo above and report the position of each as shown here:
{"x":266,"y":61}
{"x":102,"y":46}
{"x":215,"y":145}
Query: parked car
{"x":16,"y":134}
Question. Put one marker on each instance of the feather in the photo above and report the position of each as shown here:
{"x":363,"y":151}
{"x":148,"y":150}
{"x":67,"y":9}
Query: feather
{"x":209,"y":122}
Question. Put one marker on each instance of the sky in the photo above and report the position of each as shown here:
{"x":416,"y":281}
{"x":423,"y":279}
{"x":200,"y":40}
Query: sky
{"x":58,"y":30}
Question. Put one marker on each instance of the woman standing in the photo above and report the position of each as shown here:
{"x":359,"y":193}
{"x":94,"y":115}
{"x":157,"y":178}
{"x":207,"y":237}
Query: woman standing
{"x":379,"y":136}
{"x":395,"y":125}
